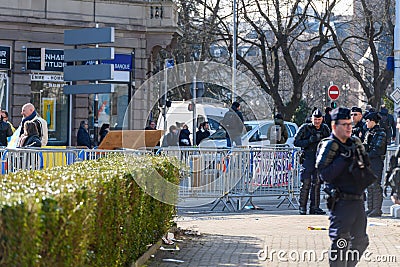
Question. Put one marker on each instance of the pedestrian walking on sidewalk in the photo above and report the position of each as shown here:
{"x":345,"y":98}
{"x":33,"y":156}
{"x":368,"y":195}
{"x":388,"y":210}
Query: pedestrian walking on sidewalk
{"x":307,"y":138}
{"x":341,"y":162}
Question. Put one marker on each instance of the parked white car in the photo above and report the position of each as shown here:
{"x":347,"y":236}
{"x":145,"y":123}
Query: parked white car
{"x":256,"y":136}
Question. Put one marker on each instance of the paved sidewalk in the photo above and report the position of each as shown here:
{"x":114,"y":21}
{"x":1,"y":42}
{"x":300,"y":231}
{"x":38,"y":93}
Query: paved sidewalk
{"x":237,"y":239}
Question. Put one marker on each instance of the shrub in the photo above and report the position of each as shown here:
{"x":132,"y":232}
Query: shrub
{"x":91,"y":213}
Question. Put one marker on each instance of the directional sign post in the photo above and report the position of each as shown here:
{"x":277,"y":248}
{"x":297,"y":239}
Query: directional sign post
{"x":333,"y":92}
{"x":89,"y":73}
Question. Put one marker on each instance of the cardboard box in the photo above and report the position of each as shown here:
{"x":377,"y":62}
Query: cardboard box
{"x":133,"y":139}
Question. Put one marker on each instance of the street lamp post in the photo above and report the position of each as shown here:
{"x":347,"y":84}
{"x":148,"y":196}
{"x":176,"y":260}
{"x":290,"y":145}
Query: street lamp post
{"x":234,"y":53}
{"x":194,"y":126}
{"x":397,"y":57}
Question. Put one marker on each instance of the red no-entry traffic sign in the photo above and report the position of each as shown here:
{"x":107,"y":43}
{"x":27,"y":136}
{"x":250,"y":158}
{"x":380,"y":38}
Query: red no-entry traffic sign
{"x":333,"y":92}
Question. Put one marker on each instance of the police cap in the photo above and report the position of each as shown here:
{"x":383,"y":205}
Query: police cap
{"x":317,"y":113}
{"x":356,"y":109}
{"x":340,"y":114}
{"x":373,"y":116}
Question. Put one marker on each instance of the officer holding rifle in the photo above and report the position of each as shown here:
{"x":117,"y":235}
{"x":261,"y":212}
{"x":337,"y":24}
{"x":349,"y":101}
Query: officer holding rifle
{"x":343,"y":165}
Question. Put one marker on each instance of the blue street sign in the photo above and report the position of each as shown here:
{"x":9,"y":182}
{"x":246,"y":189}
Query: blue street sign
{"x":121,"y":62}
{"x":169,"y":63}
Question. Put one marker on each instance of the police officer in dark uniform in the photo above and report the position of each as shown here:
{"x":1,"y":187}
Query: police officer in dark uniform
{"x":336,"y":163}
{"x":358,"y":124}
{"x":375,"y":145}
{"x":307,"y":138}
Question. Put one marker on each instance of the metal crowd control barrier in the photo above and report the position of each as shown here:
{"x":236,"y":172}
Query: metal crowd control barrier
{"x":269,"y":171}
{"x":234,"y":177}
{"x":90,"y":154}
{"x":203,"y":175}
{"x":13,"y":160}
{"x":228,"y":177}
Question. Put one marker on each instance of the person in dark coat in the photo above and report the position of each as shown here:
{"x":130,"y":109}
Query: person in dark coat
{"x":30,"y":137}
{"x":335,"y":164}
{"x":375,"y":145}
{"x":105,"y":128}
{"x":394,"y":163}
{"x":151,"y":126}
{"x":233,"y":124}
{"x":184,"y":136}
{"x":359,"y":127}
{"x":171,"y":138}
{"x":327,"y":117}
{"x":203,"y":132}
{"x":388,"y":123}
{"x":5,"y":131}
{"x":83,"y":137}
{"x":308,"y":137}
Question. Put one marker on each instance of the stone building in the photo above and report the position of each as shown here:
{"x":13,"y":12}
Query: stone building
{"x":31,"y":58}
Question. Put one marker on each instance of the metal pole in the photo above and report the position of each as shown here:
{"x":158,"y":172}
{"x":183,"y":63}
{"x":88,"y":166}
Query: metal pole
{"x":234,"y":53}
{"x":96,"y":110}
{"x":131,"y":90}
{"x":397,"y":60}
{"x":194,"y":110}
{"x":164,"y":96}
{"x":96,"y":119}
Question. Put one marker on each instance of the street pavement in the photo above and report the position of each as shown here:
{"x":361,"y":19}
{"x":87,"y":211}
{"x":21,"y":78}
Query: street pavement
{"x":268,"y":237}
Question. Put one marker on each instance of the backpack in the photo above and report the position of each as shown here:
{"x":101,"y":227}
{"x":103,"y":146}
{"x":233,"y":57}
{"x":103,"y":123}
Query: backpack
{"x":275,"y":134}
{"x":230,"y":120}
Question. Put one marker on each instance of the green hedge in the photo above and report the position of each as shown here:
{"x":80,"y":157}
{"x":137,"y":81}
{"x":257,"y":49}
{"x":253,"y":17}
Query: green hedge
{"x":91,"y":213}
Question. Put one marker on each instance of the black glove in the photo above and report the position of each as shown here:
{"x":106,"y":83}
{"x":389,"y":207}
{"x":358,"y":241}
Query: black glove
{"x":315,"y":138}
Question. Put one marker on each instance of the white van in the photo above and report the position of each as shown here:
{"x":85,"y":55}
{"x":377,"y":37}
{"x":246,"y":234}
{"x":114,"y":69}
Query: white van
{"x":180,"y":113}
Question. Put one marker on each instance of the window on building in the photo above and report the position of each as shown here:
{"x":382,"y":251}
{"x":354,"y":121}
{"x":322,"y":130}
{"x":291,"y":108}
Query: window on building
{"x":52,"y":105}
{"x":112,"y":107}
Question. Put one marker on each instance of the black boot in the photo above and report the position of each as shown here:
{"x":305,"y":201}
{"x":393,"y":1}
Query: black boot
{"x":304,"y":191}
{"x":377,"y":197}
{"x":370,"y":202}
{"x":317,"y":211}
{"x":302,"y":211}
{"x":316,"y":199}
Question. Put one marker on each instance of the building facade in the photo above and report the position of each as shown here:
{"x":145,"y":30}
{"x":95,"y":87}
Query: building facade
{"x":32,"y":59}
